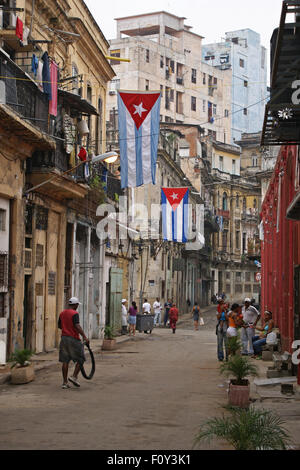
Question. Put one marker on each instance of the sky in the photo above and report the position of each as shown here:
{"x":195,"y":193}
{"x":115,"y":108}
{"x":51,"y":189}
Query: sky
{"x":209,"y":18}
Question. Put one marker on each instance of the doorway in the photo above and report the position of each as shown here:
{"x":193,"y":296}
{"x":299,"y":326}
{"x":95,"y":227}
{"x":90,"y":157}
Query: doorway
{"x":27,"y":321}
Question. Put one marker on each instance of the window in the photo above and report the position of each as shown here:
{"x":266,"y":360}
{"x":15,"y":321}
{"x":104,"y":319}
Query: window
{"x":115,"y":53}
{"x":89,"y":93}
{"x":204,"y":106}
{"x":194,"y":76}
{"x":147,"y":84}
{"x":41,"y":218}
{"x":221,"y":163}
{"x":147,"y":55}
{"x":2,"y":220}
{"x":254,"y":160}
{"x":226,"y":113}
{"x":245,"y":247}
{"x":214,"y":109}
{"x":162,"y":90}
{"x":225,"y":202}
{"x":237,"y":201}
{"x":204,"y":79}
{"x":242,"y":63}
{"x":245,"y":83}
{"x":245,"y":111}
{"x":162,"y":62}
{"x":238,"y":276}
{"x":228,"y":276}
{"x":172,"y":66}
{"x":233,"y":167}
{"x":237,"y":239}
{"x":193,"y":103}
{"x":4,"y":270}
{"x":39,"y":257}
{"x":244,"y":205}
{"x":224,"y":240}
{"x":247,"y":277}
{"x":172,"y":96}
{"x":115,"y":85}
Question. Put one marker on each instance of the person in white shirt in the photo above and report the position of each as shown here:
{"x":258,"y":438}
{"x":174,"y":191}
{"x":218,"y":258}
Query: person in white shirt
{"x":124,"y":317}
{"x":146,"y":307}
{"x":157,"y":312}
{"x":251,"y":316}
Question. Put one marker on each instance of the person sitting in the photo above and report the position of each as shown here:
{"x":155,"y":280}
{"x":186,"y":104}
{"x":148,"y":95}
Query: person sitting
{"x":261,"y":340}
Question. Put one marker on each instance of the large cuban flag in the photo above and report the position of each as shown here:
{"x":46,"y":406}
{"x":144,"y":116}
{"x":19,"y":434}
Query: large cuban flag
{"x":139,"y":118}
{"x":175,"y":214}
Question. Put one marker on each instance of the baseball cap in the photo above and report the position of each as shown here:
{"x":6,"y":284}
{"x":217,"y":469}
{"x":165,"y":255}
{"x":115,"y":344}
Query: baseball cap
{"x":123,"y":301}
{"x":248,"y":300}
{"x":74,"y":301}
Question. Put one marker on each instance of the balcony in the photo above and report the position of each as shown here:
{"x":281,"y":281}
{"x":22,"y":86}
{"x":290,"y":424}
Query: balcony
{"x":250,"y":215}
{"x":224,"y":214}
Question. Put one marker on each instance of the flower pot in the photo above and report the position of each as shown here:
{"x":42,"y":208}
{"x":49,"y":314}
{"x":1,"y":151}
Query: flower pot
{"x":109,"y":344}
{"x":239,"y":395}
{"x":22,"y":375}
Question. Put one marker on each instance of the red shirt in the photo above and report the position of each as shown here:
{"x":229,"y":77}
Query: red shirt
{"x":173,"y":314}
{"x":67,"y":321}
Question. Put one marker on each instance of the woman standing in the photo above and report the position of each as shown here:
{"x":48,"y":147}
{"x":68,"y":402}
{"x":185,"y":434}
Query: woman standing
{"x":173,"y":317}
{"x":132,"y":318}
{"x":233,"y":321}
{"x":221,"y":331}
{"x":196,"y":316}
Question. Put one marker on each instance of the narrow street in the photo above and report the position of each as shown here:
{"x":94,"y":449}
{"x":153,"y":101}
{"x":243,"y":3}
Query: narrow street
{"x":153,"y":392}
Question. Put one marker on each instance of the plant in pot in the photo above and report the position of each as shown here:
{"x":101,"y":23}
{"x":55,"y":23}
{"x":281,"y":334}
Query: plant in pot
{"x":234,"y":345}
{"x":239,"y":368}
{"x":109,"y":341}
{"x":22,"y":370}
{"x":250,"y":429}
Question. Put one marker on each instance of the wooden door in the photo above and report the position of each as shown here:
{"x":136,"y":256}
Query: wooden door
{"x":115,"y":298}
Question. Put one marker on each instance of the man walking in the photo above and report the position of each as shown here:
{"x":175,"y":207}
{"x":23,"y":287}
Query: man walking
{"x":251,"y":316}
{"x":157,"y":312}
{"x":168,"y":305}
{"x":173,"y":316}
{"x":71,"y":348}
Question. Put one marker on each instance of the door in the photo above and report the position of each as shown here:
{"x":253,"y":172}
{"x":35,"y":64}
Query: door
{"x":27,"y":320}
{"x":115,"y":297}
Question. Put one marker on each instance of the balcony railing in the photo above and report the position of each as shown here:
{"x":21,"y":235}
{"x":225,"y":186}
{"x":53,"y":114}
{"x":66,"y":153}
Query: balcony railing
{"x":22,"y":95}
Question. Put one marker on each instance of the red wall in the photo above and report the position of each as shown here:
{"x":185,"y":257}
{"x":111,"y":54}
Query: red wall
{"x":281,"y":246}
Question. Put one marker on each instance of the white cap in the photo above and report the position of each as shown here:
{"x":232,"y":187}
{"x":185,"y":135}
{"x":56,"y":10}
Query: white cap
{"x":248,"y":300}
{"x":74,"y":301}
{"x":123,"y":301}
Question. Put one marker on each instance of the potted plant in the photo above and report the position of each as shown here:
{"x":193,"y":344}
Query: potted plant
{"x":250,"y":429}
{"x":109,"y":342}
{"x":239,"y":388}
{"x":22,"y":370}
{"x":234,"y":345}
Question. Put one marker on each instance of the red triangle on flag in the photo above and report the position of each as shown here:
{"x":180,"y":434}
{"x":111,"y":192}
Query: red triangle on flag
{"x":139,"y":105}
{"x":175,"y":196}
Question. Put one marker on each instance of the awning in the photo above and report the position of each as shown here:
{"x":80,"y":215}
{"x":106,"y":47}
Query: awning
{"x":77,"y":103}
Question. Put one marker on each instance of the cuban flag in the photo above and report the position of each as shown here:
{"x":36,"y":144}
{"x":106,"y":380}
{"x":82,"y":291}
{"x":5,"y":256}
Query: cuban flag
{"x":175,"y":214}
{"x":139,"y":119}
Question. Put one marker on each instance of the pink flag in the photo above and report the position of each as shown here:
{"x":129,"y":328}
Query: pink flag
{"x":53,"y":77}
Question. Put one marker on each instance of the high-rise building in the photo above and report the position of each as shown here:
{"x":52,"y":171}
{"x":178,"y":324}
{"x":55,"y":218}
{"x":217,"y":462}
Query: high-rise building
{"x":241,"y":51}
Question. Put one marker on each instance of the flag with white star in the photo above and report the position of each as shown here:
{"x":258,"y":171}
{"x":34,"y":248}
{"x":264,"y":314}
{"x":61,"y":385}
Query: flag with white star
{"x":139,"y":120}
{"x":175,"y":214}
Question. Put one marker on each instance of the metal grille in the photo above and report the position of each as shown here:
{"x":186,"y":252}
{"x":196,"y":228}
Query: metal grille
{"x":248,"y":288}
{"x":238,"y":288}
{"x":41,"y":218}
{"x":28,"y":257}
{"x":51,"y":283}
{"x":28,"y":219}
{"x":39,"y":289}
{"x":4,"y":270}
{"x":39,"y":259}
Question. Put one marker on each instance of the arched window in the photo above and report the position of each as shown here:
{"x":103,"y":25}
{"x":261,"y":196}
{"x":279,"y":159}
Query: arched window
{"x":237,"y":201}
{"x":225,"y":202}
{"x":254,"y":160}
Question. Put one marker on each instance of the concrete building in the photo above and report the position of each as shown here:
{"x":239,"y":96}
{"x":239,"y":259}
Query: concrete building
{"x":242,"y":53}
{"x":51,"y":245}
{"x":166,"y":55}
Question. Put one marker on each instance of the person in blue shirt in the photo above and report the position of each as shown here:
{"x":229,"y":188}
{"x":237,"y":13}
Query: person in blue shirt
{"x":221,"y":330}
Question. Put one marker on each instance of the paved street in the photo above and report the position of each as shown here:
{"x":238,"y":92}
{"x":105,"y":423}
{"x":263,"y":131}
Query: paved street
{"x":151,"y":393}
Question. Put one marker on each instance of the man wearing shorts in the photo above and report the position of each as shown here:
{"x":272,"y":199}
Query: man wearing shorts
{"x":71,"y":348}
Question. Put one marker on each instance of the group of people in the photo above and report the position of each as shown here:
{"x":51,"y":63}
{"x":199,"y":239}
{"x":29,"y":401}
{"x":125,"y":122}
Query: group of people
{"x":129,"y":317}
{"x":244,"y":318}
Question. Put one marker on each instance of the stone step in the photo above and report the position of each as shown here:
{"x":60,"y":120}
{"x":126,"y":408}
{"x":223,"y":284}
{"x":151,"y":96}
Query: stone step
{"x":275,"y":381}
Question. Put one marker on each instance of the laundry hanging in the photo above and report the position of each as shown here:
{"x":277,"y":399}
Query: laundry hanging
{"x":34,"y":64}
{"x":46,"y":76}
{"x":53,"y":78}
{"x":19,"y":29}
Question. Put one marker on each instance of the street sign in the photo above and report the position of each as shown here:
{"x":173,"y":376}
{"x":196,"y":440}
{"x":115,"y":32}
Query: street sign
{"x":258,"y":277}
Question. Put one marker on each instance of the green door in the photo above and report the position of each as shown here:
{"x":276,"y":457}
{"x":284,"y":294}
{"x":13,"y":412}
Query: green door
{"x":115,"y":298}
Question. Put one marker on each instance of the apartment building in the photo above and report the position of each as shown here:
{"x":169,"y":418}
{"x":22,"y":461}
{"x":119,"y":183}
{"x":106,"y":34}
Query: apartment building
{"x":166,"y":55}
{"x":242,"y":53}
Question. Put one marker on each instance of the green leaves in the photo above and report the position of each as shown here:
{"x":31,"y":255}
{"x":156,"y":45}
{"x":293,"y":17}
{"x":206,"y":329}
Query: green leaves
{"x":109,"y":332}
{"x":239,"y":367}
{"x":250,"y":429}
{"x":20,"y":356}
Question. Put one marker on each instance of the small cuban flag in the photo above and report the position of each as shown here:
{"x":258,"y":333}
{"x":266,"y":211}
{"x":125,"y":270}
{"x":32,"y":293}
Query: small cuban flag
{"x":139,"y":120}
{"x":175,"y":214}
